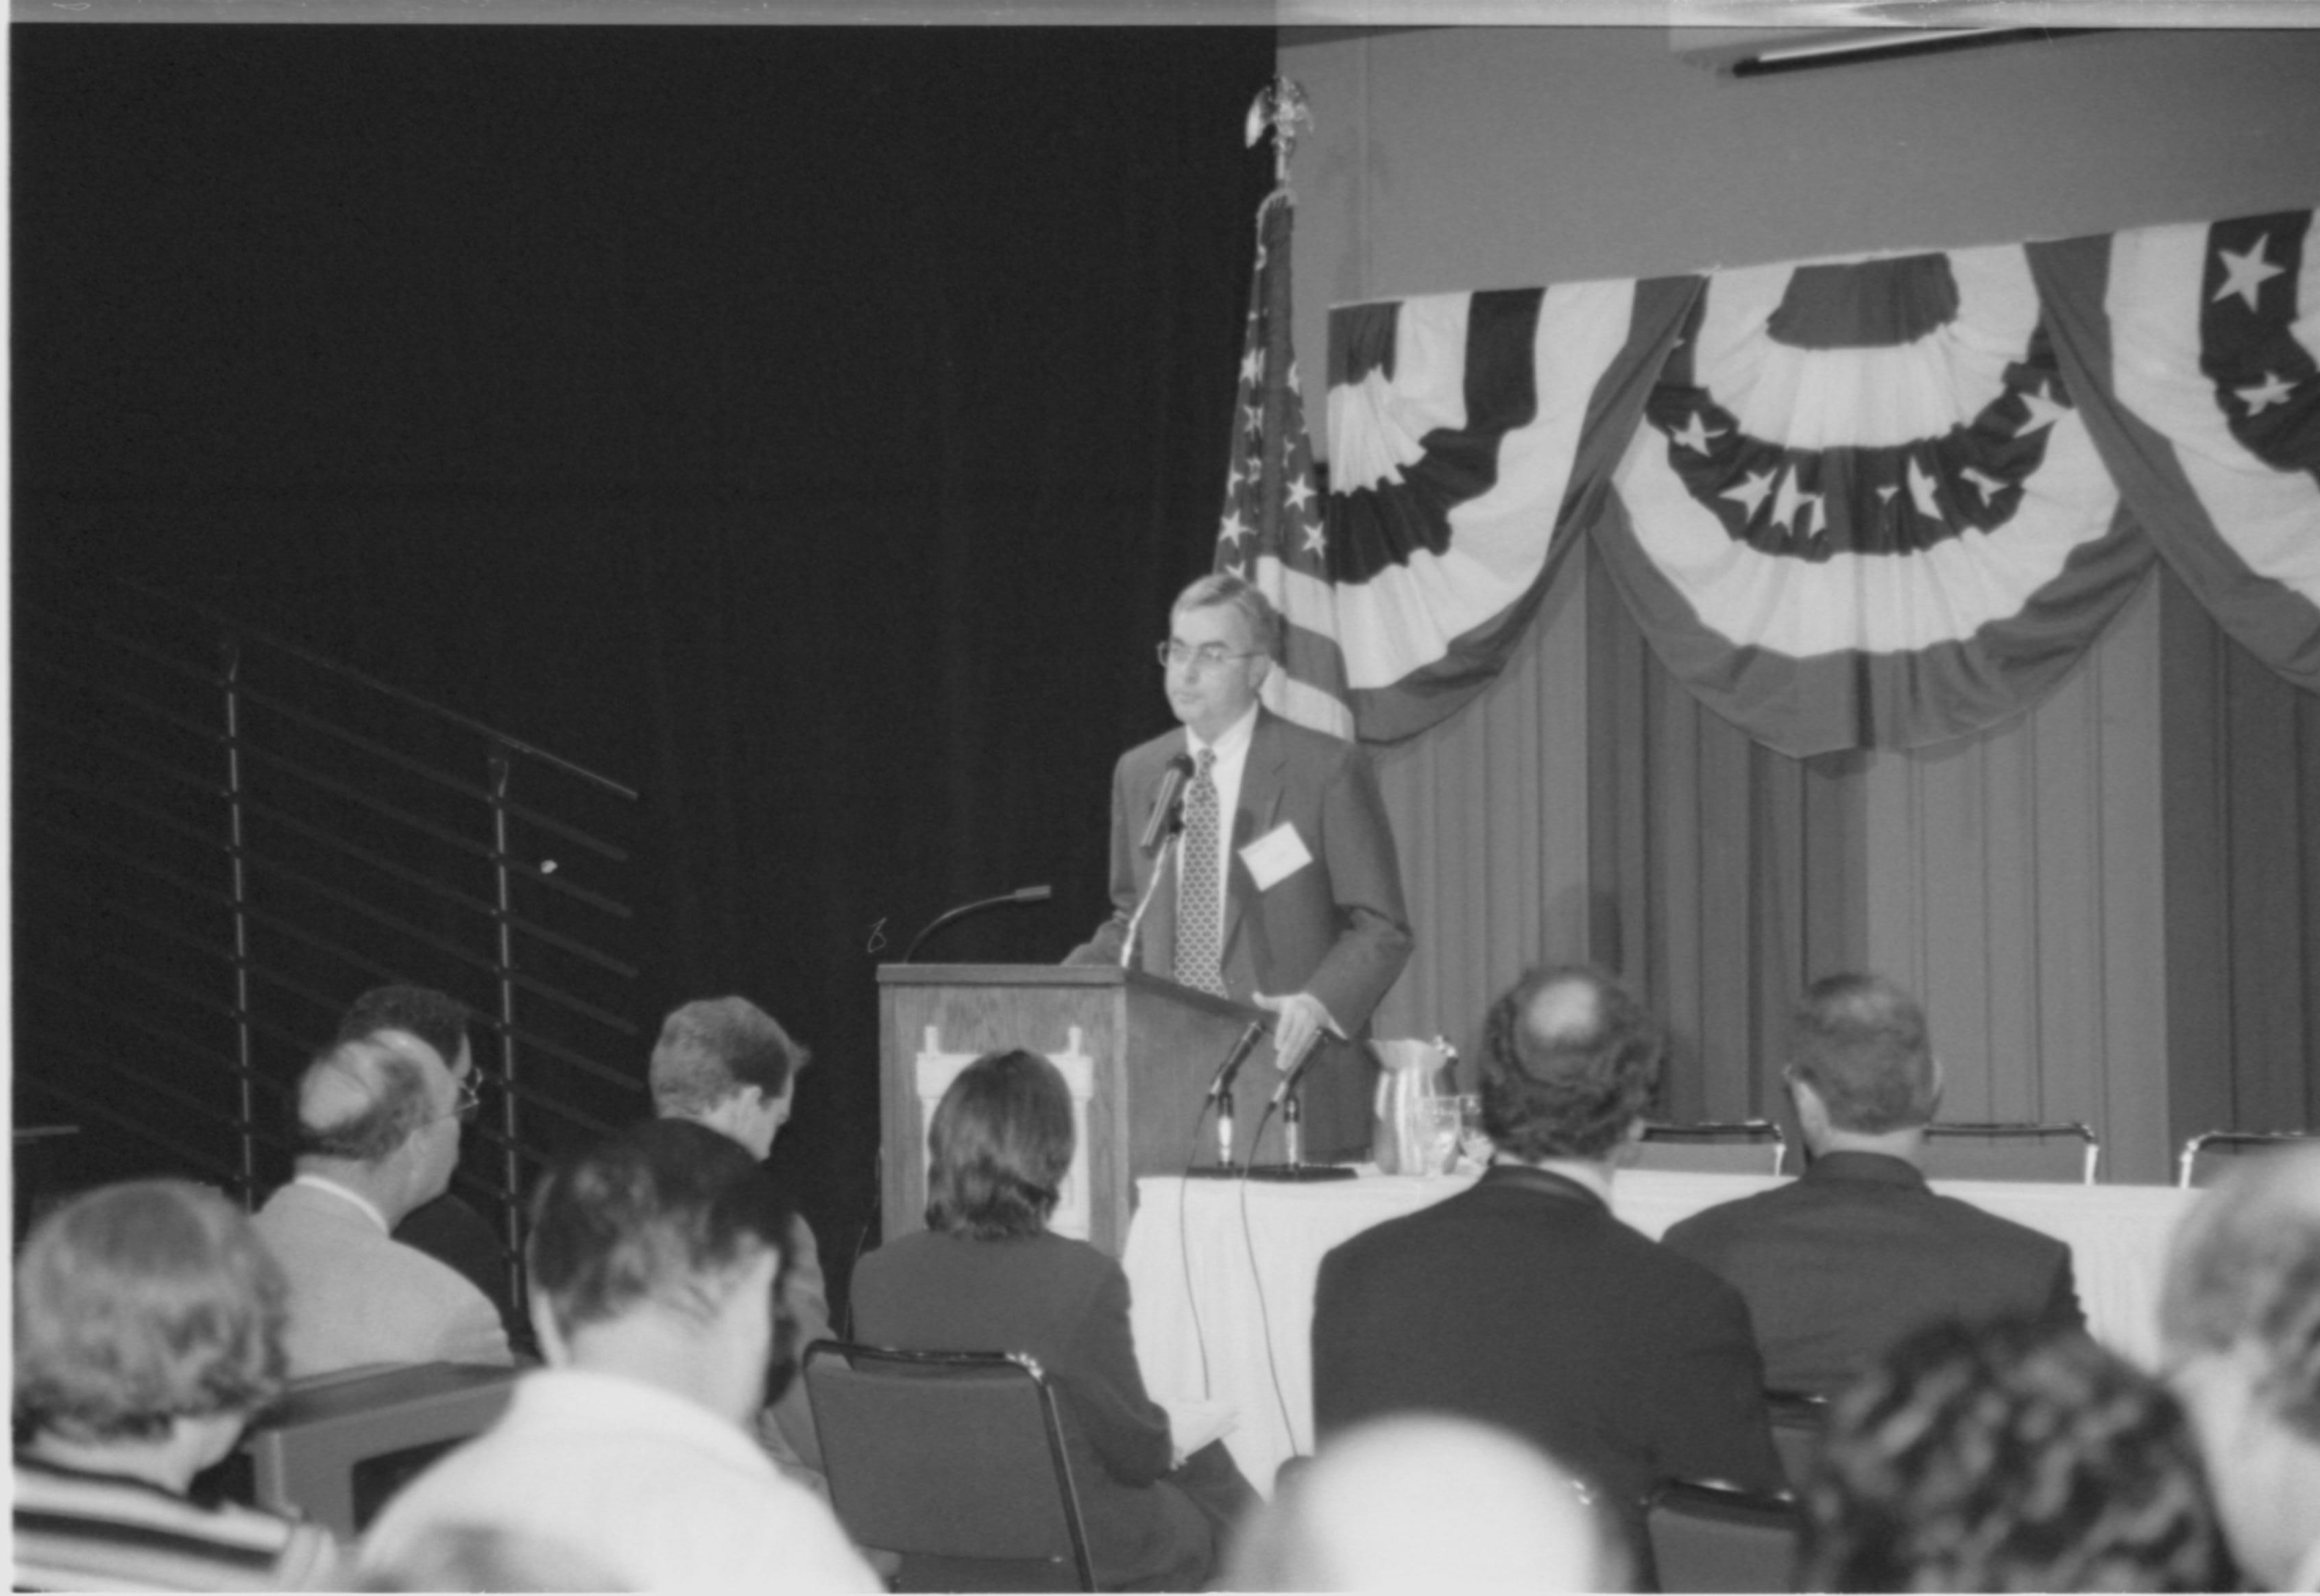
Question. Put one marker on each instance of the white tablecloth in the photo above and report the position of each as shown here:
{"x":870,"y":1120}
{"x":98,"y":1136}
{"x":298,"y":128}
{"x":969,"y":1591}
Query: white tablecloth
{"x":1222,"y":1273}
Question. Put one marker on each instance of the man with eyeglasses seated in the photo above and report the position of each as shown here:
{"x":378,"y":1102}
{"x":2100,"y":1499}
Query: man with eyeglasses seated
{"x":378,"y":1135}
{"x":448,"y":1228}
{"x":1283,"y":890}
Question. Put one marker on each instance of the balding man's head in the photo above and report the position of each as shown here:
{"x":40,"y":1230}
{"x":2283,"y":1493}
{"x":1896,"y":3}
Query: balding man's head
{"x":1570,"y":1059}
{"x":1425,"y":1501}
{"x":362,"y":1100}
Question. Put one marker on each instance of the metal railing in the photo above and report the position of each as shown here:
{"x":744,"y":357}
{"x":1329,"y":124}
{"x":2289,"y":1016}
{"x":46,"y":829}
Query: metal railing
{"x":222,"y":837}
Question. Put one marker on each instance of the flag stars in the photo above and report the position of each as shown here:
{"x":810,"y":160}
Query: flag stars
{"x":1317,"y":543}
{"x":1233,"y":530}
{"x":2246,"y":274}
{"x":2273,"y":390}
{"x":1251,"y":366}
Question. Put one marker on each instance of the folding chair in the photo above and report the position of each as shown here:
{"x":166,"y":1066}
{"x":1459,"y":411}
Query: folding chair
{"x":2012,"y":1150}
{"x":1798,"y":1419}
{"x":953,"y":1460}
{"x":1714,"y":1538}
{"x":1724,"y":1147}
{"x":2218,"y":1148}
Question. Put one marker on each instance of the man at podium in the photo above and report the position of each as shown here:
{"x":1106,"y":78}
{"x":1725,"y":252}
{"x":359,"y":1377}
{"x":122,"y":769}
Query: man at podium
{"x":1282,"y":888}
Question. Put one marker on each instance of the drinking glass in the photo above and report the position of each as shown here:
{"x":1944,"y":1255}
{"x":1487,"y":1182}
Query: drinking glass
{"x":1442,"y":1129}
{"x":1474,"y":1141}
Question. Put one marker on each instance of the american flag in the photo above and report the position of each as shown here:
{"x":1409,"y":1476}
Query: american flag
{"x":1275,"y":532}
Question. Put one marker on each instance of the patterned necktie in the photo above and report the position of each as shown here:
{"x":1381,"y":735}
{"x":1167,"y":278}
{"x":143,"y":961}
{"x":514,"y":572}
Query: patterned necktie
{"x":1199,"y":921}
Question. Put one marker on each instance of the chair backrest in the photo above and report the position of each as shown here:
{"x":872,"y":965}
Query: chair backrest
{"x":2012,"y":1150}
{"x":953,"y":1460}
{"x":1713,"y":1537}
{"x":2210,"y":1153}
{"x":1723,"y":1146}
{"x":1799,"y":1421}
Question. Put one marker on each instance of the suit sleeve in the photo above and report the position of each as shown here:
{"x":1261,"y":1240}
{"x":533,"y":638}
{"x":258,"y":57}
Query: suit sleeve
{"x":1373,"y":925}
{"x":472,"y":1333}
{"x":1344,"y":1376}
{"x":1104,"y":947}
{"x":806,"y":1300}
{"x":1711,"y":1421}
{"x":1129,"y":1429}
{"x":2063,"y":1303}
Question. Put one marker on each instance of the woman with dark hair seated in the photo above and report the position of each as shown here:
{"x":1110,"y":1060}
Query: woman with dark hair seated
{"x":2008,"y":1456}
{"x":985,"y":1275}
{"x":149,"y":1328}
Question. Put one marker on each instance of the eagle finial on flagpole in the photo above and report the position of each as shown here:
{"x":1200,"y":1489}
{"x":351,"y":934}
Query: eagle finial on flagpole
{"x":1281,"y":106}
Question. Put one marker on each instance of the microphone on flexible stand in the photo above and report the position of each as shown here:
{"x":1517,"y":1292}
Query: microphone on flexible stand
{"x":1167,"y":818}
{"x":1219,"y":1097}
{"x":1292,"y":1123}
{"x":1167,"y":804}
{"x":1022,"y":895}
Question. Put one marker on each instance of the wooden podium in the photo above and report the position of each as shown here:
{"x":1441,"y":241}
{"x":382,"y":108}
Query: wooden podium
{"x":1137,"y":1052}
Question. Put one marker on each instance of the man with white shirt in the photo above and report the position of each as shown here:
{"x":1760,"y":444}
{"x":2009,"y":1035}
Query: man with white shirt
{"x":378,"y":1131}
{"x":653,"y":1261}
{"x":1283,"y":889}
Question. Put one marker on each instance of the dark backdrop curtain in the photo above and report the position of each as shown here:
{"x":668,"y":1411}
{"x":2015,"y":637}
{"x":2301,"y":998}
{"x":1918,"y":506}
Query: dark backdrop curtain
{"x":2240,"y":761}
{"x":805,"y":427}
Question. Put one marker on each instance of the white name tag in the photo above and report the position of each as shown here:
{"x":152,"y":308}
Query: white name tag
{"x":1277,"y":854}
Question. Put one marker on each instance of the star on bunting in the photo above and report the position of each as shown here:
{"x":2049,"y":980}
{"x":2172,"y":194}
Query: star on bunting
{"x":2274,"y":390}
{"x":2043,"y":411}
{"x":1694,"y":434}
{"x":2246,"y":274}
{"x":1752,"y":493}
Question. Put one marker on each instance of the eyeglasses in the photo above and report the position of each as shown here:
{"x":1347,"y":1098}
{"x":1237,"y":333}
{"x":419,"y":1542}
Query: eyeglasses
{"x":469,"y":1099}
{"x":1207,"y":656}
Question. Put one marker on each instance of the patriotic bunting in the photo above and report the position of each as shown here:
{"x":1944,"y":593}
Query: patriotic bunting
{"x":1877,"y":501}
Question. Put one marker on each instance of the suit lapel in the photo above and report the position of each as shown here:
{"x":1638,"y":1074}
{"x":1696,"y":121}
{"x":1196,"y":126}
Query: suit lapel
{"x":1262,"y":779}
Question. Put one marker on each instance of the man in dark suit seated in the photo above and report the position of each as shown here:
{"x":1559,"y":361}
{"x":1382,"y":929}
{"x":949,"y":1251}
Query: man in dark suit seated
{"x":1524,"y":1303}
{"x":1839,"y":1264}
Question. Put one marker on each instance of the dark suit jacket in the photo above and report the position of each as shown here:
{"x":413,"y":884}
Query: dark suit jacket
{"x":1857,"y":1252}
{"x":1335,"y":928}
{"x":1066,"y":1305}
{"x":1524,"y":1303}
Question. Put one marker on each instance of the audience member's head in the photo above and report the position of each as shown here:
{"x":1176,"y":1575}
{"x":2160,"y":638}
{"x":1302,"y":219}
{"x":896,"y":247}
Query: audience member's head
{"x":726,"y":1063}
{"x":655,"y":1255}
{"x":1569,"y":1060}
{"x":381,"y":1114}
{"x":999,"y":1145}
{"x":1859,"y":1063}
{"x":1425,"y":1501}
{"x":436,"y":1018}
{"x":2008,"y":1456}
{"x":2239,"y":1318}
{"x":147,"y":1319}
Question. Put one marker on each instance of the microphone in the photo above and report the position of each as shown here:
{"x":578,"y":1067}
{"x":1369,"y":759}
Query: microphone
{"x":1221,"y":1088}
{"x":1022,"y":895}
{"x":1136,"y":921}
{"x":1163,"y":815}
